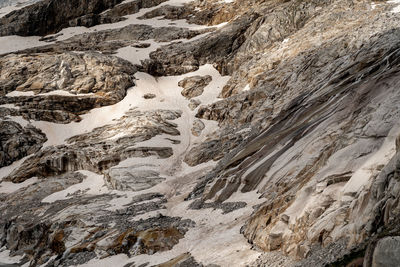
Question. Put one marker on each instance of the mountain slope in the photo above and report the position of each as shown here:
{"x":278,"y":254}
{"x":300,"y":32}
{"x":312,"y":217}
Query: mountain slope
{"x":177,"y":133}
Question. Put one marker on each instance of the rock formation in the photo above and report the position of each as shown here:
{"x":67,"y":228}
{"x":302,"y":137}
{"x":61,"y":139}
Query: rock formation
{"x":199,"y":133}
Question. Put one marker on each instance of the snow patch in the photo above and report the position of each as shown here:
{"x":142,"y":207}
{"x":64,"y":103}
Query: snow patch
{"x":5,"y":171}
{"x":116,"y":261}
{"x":93,"y":184}
{"x":5,"y":257}
{"x":397,"y":8}
{"x":10,"y":187}
{"x":136,"y":55}
{"x":15,"y":43}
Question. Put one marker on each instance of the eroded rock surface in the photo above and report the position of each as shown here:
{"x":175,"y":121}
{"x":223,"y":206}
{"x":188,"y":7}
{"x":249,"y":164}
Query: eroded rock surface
{"x":109,"y":41}
{"x":49,"y":16}
{"x":291,"y":160}
{"x":109,"y":145}
{"x":60,"y":87}
{"x":194,"y":86}
{"x":17,"y":141}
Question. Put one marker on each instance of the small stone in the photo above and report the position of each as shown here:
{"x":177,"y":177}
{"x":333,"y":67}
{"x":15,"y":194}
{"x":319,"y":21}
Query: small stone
{"x":193,"y":104}
{"x":149,"y":96}
{"x":198,"y":127}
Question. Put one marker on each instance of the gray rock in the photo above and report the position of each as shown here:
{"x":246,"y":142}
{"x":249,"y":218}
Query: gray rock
{"x":194,"y":85}
{"x":131,"y":179}
{"x":17,"y":142}
{"x":108,"y":41}
{"x":193,"y":104}
{"x":387,"y":252}
{"x":198,"y":127}
{"x":149,"y":96}
{"x":70,"y":72}
{"x":50,"y":16}
{"x":103,"y":151}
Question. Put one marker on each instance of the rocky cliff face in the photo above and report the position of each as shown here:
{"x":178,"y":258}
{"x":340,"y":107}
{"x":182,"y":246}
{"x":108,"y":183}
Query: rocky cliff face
{"x":200,"y":133}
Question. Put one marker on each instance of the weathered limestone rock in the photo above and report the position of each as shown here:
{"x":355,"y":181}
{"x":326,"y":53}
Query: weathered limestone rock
{"x":50,"y":16}
{"x":71,"y":72}
{"x":131,"y":179}
{"x":69,"y":84}
{"x":118,"y":12}
{"x":387,"y":252}
{"x":108,"y":41}
{"x":17,"y":141}
{"x":194,"y":86}
{"x":198,"y":127}
{"x":193,"y":104}
{"x":149,"y":96}
{"x":217,"y":47}
{"x":107,"y":147}
{"x":307,"y":136}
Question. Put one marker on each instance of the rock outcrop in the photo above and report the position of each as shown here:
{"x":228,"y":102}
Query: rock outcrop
{"x":270,"y":137}
{"x":109,"y":145}
{"x":17,"y":141}
{"x":60,"y":87}
{"x":50,"y":16}
{"x":217,"y":48}
{"x":194,"y":86}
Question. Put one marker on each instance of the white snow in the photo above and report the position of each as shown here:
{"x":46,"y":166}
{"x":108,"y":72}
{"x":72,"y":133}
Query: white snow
{"x":136,"y":55}
{"x":165,"y":88}
{"x":9,"y":106}
{"x":19,"y":119}
{"x":15,"y":6}
{"x":15,"y":43}
{"x":115,"y":261}
{"x":9,"y":187}
{"x":20,"y":93}
{"x":55,"y":92}
{"x":63,"y":93}
{"x":8,"y":9}
{"x":5,"y":257}
{"x":397,"y":8}
{"x":133,"y":19}
{"x":216,"y":238}
{"x":5,"y":171}
{"x":93,"y":184}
